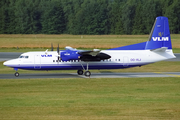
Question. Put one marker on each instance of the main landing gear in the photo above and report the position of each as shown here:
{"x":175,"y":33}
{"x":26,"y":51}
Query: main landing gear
{"x":86,"y":73}
{"x":80,"y":72}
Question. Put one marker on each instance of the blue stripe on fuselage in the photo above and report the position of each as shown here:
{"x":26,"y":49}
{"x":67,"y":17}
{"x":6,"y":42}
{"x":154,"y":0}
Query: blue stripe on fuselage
{"x":75,"y":67}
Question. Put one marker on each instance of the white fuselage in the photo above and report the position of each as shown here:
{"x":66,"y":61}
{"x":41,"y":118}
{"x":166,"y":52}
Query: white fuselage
{"x":119,"y":59}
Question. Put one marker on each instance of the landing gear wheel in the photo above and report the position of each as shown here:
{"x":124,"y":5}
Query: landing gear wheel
{"x":87,"y":73}
{"x":16,"y":74}
{"x":80,"y":72}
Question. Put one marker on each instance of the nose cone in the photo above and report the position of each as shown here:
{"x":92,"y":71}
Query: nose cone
{"x":6,"y":63}
{"x":10,"y":63}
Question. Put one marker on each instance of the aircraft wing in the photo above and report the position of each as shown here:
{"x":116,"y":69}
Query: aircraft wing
{"x":93,"y":52}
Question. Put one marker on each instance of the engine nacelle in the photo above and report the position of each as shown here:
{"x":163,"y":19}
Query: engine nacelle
{"x":69,"y":55}
{"x":98,"y":57}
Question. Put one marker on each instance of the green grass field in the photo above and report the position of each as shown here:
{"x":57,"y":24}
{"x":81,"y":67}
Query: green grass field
{"x":92,"y":99}
{"x":41,"y":42}
{"x":96,"y":99}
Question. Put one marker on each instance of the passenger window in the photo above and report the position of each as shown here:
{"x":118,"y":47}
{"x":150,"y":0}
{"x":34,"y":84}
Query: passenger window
{"x":26,"y":56}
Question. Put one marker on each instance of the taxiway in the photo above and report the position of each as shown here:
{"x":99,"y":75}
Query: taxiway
{"x":94,"y":75}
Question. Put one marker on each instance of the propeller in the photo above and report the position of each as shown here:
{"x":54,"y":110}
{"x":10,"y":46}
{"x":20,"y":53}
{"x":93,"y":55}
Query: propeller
{"x":58,"y":52}
{"x":51,"y":47}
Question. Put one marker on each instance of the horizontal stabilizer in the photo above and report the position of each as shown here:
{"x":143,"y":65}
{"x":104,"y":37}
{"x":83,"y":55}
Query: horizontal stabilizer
{"x":162,"y":49}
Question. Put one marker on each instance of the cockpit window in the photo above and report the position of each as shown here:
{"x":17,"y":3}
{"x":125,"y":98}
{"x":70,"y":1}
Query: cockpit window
{"x":23,"y":56}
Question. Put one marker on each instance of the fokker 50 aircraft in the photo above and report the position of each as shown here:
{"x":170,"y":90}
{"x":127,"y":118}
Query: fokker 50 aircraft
{"x":157,"y":48}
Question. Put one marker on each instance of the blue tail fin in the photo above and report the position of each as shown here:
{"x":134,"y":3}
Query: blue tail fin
{"x":160,"y":35}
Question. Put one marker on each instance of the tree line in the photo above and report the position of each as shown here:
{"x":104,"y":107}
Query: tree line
{"x":89,"y":17}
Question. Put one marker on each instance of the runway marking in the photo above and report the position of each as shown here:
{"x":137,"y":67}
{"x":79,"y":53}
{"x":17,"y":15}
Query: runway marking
{"x":168,"y":74}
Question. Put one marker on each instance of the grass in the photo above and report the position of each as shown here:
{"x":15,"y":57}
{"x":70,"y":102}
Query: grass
{"x":76,"y":41}
{"x":97,"y":99}
{"x":175,"y":50}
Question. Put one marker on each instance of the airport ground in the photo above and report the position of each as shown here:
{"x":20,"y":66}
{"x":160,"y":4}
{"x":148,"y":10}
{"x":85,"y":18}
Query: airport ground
{"x":96,"y":98}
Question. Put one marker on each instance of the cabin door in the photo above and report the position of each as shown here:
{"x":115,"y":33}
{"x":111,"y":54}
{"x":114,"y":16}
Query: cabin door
{"x":37,"y":62}
{"x":125,"y":61}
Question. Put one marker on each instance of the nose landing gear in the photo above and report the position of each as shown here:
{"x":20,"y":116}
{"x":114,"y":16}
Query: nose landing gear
{"x":16,"y":73}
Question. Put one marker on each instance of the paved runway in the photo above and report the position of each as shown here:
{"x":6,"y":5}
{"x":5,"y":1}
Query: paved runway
{"x":12,"y":55}
{"x":9,"y":55}
{"x":94,"y":75}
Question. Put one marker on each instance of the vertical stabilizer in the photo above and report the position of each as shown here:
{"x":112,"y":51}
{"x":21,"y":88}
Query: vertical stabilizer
{"x":160,"y":35}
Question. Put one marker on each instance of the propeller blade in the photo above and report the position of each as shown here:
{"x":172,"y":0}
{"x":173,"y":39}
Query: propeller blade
{"x":58,"y":52}
{"x":58,"y":49}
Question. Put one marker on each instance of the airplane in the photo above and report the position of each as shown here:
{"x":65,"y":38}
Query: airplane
{"x":157,"y":48}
